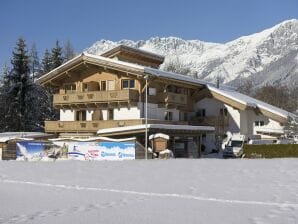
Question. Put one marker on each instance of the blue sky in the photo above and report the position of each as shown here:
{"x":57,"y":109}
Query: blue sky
{"x":85,"y":21}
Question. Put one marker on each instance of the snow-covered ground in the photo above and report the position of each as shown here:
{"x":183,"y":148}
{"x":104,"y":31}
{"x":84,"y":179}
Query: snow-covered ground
{"x":156,"y":191}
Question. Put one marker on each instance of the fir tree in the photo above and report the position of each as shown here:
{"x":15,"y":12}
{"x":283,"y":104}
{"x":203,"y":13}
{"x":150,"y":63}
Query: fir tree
{"x":68,"y":51}
{"x":46,"y":62}
{"x":27,"y":104}
{"x":56,"y":56}
{"x":4,"y":83}
{"x":19,"y":83}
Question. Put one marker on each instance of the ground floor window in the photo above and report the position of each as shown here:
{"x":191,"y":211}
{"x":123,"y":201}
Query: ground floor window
{"x":183,"y":116}
{"x":110,"y":114}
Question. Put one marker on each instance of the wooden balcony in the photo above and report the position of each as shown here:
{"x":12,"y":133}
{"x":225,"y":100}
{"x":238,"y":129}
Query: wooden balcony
{"x":94,"y":126}
{"x":96,"y":97}
{"x":175,"y":98}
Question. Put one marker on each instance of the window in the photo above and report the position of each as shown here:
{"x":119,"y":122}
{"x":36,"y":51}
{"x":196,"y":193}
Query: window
{"x":85,"y":87}
{"x":223,"y":112}
{"x":103,"y":85}
{"x":259,"y":123}
{"x":168,"y":116}
{"x":81,"y":115}
{"x":110,"y":114}
{"x":128,"y":84}
{"x":183,"y":116}
{"x":201,"y":113}
{"x":70,"y":88}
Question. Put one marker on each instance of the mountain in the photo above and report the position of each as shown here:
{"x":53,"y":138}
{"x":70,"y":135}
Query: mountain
{"x":270,"y":56}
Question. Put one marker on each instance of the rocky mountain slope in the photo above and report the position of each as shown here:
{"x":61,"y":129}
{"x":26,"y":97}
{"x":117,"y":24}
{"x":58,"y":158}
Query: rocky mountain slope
{"x":270,"y":56}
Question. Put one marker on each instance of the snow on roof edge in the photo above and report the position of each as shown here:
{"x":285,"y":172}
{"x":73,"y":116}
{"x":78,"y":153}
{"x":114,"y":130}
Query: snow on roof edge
{"x":165,"y":126}
{"x":252,"y":101}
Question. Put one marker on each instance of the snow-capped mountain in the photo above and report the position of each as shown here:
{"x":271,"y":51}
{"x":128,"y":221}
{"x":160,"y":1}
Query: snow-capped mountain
{"x":270,"y":56}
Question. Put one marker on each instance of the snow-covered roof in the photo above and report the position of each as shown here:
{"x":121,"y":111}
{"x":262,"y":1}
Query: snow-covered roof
{"x":93,"y":139}
{"x":85,"y":57}
{"x":6,"y":136}
{"x":143,"y":71}
{"x":155,"y":126}
{"x":249,"y":101}
{"x":159,"y":135}
{"x":175,"y":76}
{"x":123,"y":47}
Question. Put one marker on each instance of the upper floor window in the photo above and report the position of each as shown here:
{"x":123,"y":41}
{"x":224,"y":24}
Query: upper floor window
{"x":70,"y":87}
{"x":168,"y":116}
{"x":103,"y":85}
{"x":85,"y":87}
{"x":128,"y":84}
{"x":201,"y":113}
{"x":259,"y":123}
{"x":223,"y":112}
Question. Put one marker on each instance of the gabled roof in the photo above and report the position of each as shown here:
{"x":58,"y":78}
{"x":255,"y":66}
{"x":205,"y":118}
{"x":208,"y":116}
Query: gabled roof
{"x":249,"y":101}
{"x":93,"y":59}
{"x":232,"y":95}
{"x":135,"y":51}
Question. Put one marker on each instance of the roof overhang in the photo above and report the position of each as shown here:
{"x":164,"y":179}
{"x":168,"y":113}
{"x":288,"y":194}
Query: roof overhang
{"x":164,"y":128}
{"x":85,"y":59}
{"x":243,"y":102}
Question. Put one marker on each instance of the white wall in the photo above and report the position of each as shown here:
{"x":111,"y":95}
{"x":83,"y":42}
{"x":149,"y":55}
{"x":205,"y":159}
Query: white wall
{"x":89,"y":115}
{"x":211,"y":106}
{"x":67,"y":115}
{"x":154,"y":112}
{"x":127,"y":113}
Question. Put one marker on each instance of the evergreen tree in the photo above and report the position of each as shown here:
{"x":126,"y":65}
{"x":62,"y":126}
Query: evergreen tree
{"x":46,"y":62}
{"x":4,"y":83}
{"x":34,"y":63}
{"x":68,"y":51}
{"x":18,"y":84}
{"x":56,"y":56}
{"x":27,"y":104}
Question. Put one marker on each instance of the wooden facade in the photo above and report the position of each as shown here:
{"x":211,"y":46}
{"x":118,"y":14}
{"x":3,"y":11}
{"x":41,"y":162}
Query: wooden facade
{"x":98,"y":83}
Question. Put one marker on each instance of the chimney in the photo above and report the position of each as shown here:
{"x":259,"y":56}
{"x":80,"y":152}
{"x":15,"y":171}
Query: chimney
{"x":217,"y":82}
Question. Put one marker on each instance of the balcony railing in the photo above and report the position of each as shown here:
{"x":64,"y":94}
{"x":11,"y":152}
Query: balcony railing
{"x":174,"y":98}
{"x":97,"y":96}
{"x":94,"y":126}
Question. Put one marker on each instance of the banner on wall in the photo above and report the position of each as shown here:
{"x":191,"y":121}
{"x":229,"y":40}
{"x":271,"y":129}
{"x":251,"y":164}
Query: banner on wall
{"x":33,"y":151}
{"x":99,"y":150}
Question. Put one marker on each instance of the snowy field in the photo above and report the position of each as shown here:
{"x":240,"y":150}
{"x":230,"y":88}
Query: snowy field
{"x":159,"y":191}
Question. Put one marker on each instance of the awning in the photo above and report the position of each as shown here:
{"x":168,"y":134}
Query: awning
{"x":164,"y":128}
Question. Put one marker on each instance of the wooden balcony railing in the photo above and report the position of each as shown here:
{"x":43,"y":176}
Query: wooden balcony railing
{"x":174,"y":98}
{"x":94,"y":126}
{"x":96,"y":96}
